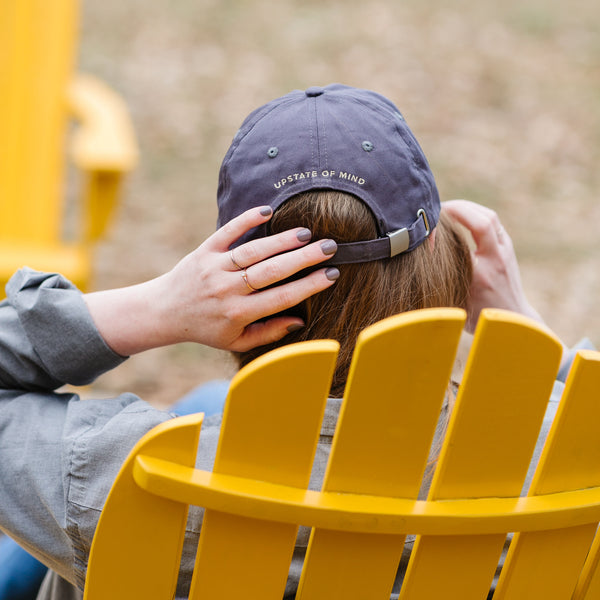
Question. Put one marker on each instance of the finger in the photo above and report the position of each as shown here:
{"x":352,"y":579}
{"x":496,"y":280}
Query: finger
{"x":266,"y":332}
{"x":256,"y":251}
{"x":276,"y":299}
{"x":483,"y":223}
{"x":282,"y":266}
{"x":236,"y":228}
{"x":471,"y":215}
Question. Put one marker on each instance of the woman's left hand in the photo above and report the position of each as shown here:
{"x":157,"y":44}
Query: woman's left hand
{"x":217,"y":297}
{"x":496,"y":279}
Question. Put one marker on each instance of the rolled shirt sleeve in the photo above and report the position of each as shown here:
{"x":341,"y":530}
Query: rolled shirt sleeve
{"x":58,"y":454}
{"x":47,"y":336}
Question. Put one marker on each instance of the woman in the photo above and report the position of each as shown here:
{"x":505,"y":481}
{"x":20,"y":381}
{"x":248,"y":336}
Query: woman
{"x":336,"y":164}
{"x":343,"y":162}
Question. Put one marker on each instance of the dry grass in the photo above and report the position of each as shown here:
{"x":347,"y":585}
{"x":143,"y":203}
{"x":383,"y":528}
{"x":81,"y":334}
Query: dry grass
{"x":504,"y":98}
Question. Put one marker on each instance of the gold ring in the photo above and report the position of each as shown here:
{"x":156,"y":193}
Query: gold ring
{"x":238,"y":267}
{"x":245,"y":278}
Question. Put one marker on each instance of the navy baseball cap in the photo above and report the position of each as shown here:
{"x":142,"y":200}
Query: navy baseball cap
{"x":338,"y":138}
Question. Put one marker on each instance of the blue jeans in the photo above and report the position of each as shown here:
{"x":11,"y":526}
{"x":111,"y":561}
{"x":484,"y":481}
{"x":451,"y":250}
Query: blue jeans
{"x":208,"y":398}
{"x":20,"y":574}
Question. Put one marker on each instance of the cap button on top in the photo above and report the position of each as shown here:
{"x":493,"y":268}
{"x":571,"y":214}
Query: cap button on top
{"x":314,"y":91}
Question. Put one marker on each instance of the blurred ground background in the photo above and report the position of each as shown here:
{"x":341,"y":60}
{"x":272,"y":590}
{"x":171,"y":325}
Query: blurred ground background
{"x":504,"y":98}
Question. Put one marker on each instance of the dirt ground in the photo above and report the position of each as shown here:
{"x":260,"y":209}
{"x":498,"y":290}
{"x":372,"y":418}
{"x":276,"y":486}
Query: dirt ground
{"x":504,"y":98}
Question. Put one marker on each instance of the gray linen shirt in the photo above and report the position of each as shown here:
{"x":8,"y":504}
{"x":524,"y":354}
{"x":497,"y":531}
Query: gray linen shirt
{"x":60,"y":454}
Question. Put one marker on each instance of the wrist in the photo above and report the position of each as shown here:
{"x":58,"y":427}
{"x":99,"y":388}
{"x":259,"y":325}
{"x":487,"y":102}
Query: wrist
{"x":131,"y":319}
{"x":530,"y":312}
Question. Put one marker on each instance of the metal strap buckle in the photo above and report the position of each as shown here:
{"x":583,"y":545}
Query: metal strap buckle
{"x":399,"y":241}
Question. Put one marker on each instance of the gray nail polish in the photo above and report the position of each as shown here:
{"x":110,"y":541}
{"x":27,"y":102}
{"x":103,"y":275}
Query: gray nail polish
{"x":328,"y":247}
{"x":332,"y":273}
{"x":304,"y":235}
{"x":265,"y":211}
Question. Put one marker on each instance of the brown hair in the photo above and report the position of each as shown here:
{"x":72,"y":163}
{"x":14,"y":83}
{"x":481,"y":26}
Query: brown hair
{"x":368,"y":292}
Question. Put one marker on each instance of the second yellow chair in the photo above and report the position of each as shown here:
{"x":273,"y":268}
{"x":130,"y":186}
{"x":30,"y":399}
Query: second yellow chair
{"x":39,"y":94}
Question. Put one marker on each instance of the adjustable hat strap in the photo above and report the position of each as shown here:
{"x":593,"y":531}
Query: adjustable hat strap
{"x":396,"y":242}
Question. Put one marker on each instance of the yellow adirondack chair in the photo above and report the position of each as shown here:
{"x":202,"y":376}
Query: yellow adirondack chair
{"x":38,"y":95}
{"x":256,"y":495}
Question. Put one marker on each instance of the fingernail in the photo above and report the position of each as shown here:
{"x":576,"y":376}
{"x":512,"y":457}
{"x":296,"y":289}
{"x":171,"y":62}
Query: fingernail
{"x":294,"y":327}
{"x":328,"y":247}
{"x":332,"y":273}
{"x":304,"y":235}
{"x":265,"y":211}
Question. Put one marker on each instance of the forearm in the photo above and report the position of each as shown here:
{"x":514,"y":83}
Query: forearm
{"x":132,"y":319}
{"x":567,"y":353}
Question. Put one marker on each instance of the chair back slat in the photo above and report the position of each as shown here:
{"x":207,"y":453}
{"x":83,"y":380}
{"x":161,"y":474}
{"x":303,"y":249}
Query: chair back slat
{"x":37,"y":46}
{"x":137,"y":547}
{"x":507,"y":383}
{"x":588,"y":584}
{"x":396,"y":387}
{"x":547,"y":564}
{"x":270,"y":431}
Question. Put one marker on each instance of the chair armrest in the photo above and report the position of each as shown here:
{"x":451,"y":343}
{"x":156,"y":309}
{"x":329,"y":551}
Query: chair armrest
{"x":103,"y":146}
{"x":104,"y":140}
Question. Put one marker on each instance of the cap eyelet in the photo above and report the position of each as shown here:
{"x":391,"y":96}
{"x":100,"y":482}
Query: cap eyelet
{"x":367,"y":146}
{"x":272,"y":152}
{"x":422,"y":213}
